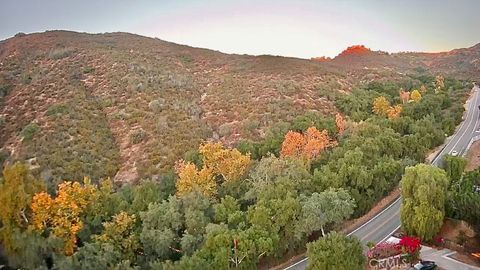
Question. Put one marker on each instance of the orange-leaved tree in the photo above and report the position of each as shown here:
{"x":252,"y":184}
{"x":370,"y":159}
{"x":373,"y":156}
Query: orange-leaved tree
{"x":394,"y":111}
{"x":306,"y":146}
{"x":404,"y":96}
{"x":316,"y":142}
{"x":381,"y":105}
{"x":190,"y":179}
{"x":225,"y":162}
{"x":62,"y":215}
{"x":293,"y":144}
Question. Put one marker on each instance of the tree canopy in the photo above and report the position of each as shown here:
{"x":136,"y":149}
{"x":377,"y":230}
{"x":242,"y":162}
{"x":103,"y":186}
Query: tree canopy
{"x":335,"y":251}
{"x":424,"y":189}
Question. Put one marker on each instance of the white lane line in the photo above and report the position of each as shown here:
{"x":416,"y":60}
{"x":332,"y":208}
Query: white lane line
{"x":370,"y":220}
{"x":469,"y":122}
{"x":461,"y":126}
{"x":382,"y":224}
{"x":388,"y":236}
{"x":363,"y":225}
{"x":293,"y":265}
{"x":305,"y":259}
{"x":464,"y":152}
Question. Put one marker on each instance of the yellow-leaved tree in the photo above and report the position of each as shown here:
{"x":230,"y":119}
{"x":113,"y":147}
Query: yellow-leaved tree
{"x":220,"y":165}
{"x":416,"y":96}
{"x":190,"y":179}
{"x":228,"y":163}
{"x":62,"y":215}
{"x":381,"y":105}
{"x":16,"y":192}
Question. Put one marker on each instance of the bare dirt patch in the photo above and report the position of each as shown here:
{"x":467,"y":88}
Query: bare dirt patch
{"x":451,"y":231}
{"x":473,"y":157}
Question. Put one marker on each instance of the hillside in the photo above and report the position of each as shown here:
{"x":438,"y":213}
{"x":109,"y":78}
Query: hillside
{"x":125,"y":106}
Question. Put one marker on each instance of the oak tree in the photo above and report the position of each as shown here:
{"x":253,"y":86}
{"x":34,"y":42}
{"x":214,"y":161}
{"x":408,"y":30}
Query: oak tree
{"x":329,"y":207}
{"x":336,"y":251}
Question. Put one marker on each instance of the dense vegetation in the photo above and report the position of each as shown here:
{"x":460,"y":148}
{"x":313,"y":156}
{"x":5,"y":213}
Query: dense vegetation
{"x":225,"y":208}
{"x":463,"y":198}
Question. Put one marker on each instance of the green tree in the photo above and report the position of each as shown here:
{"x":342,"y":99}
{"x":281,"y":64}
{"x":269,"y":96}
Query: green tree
{"x":357,"y":104}
{"x":424,"y":188}
{"x":92,"y":256}
{"x":329,"y":207}
{"x":194,"y":262}
{"x":120,"y":234}
{"x":464,"y":201}
{"x":277,"y":211}
{"x":147,"y":192}
{"x":271,"y":169}
{"x":454,"y":167}
{"x":228,"y":212}
{"x":366,"y":178}
{"x":335,"y":251}
{"x":198,"y":212}
{"x":161,"y":224}
{"x":239,"y":249}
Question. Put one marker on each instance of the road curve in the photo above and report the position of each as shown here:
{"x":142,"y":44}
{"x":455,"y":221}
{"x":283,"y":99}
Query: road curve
{"x":385,"y":223}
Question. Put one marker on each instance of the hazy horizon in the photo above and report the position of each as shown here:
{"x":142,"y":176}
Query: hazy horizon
{"x":302,"y":29}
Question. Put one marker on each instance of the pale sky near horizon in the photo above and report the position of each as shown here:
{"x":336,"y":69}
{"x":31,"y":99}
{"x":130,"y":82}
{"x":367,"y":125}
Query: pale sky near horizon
{"x":303,"y":28}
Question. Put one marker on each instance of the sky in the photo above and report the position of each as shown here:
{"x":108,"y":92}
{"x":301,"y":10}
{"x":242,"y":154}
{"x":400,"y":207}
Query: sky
{"x":299,"y":28}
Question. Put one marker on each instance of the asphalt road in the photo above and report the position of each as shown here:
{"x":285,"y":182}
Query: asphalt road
{"x":385,"y":223}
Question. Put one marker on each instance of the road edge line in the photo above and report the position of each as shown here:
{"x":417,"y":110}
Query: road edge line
{"x":374,"y":217}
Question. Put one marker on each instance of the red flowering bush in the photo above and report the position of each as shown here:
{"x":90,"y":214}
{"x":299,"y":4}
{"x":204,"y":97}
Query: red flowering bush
{"x":384,"y":250}
{"x":410,"y":245}
{"x":407,"y":245}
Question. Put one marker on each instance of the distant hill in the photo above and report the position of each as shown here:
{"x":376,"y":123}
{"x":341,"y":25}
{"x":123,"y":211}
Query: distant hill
{"x":355,"y":50}
{"x":127,"y":106}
